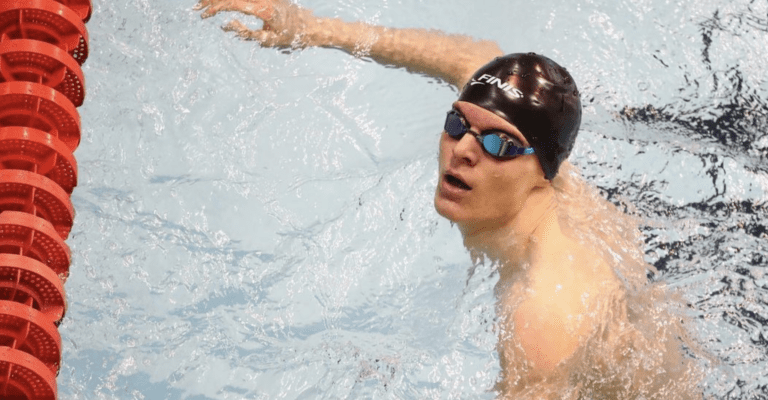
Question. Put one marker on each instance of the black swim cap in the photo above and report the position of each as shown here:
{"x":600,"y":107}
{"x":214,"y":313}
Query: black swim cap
{"x":536,"y":95}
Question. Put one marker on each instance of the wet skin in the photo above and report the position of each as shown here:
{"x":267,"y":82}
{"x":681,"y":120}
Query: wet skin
{"x":499,"y":189}
{"x":549,"y":285}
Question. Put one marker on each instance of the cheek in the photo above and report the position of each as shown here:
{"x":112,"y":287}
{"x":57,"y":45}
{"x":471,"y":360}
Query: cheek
{"x":443,"y":143}
{"x":444,"y":151}
{"x":510,"y":188}
{"x":506,"y":192}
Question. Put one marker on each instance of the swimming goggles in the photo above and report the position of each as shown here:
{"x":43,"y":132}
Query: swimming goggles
{"x":495,"y":143}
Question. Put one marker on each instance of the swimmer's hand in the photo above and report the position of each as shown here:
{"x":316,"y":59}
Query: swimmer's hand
{"x":285,"y":24}
{"x":453,"y":58}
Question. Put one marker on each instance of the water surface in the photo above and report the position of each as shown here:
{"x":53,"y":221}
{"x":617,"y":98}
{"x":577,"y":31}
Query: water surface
{"x":254,"y":223}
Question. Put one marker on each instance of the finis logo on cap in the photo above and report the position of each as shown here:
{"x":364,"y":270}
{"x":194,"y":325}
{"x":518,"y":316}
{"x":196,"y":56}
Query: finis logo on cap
{"x":492,"y":80}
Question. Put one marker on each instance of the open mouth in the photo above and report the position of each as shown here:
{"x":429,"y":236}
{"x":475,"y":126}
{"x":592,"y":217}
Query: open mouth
{"x":454,"y":181}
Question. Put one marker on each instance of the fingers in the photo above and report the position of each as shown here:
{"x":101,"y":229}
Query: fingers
{"x":258,"y":8}
{"x":263,"y":37}
{"x":209,"y":10}
{"x":270,"y":11}
{"x":234,"y":26}
{"x":243,"y":32}
{"x":201,"y":4}
{"x":213,"y":7}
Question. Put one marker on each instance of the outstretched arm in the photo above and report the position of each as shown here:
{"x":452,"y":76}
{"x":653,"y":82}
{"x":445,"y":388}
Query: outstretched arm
{"x":452,"y":58}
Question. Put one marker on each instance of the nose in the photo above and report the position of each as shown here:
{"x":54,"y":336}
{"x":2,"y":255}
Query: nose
{"x":467,"y":149}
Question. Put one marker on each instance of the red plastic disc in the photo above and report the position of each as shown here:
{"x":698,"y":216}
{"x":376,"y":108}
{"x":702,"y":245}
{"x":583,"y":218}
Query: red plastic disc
{"x":35,"y":194}
{"x":33,"y":105}
{"x":82,"y":8}
{"x":27,"y":235}
{"x":44,"y":63}
{"x":36,"y":151}
{"x":26,"y":329}
{"x":46,"y":21}
{"x":23,"y":377}
{"x":31,"y":283}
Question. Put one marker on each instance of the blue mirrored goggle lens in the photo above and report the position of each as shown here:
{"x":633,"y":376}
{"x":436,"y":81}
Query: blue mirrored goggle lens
{"x":493,"y":144}
{"x":454,"y":126}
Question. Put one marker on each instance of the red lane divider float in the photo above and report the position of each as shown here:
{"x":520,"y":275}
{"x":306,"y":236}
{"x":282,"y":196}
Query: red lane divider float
{"x":26,"y":329}
{"x":33,"y":150}
{"x":82,"y":8}
{"x":30,"y":236}
{"x":30,"y":282}
{"x":36,"y":106}
{"x":40,"y":62}
{"x":45,"y":21}
{"x":39,"y":196}
{"x":43,"y":43}
{"x":24,"y":377}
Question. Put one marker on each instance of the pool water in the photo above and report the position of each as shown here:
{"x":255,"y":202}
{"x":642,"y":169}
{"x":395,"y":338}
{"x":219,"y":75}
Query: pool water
{"x":258,"y":224}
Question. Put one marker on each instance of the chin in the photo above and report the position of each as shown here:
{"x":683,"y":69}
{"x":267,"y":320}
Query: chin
{"x":448,"y":209}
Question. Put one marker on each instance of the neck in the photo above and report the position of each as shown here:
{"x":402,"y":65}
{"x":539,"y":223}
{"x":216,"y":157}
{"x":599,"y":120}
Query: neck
{"x":513,"y":245}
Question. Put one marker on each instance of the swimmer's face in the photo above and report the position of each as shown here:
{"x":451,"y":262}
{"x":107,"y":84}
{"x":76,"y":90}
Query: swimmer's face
{"x":476,"y":190}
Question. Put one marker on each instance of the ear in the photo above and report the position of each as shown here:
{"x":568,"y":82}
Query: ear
{"x":544,"y":182}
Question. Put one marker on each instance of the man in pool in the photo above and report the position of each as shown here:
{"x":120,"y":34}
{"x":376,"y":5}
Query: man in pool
{"x":563,"y":310}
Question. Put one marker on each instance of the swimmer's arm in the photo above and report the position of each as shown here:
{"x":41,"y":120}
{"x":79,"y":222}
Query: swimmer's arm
{"x":546,"y":337}
{"x":452,"y":58}
{"x":534,"y":343}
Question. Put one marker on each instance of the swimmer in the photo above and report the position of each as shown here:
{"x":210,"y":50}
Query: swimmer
{"x":569,"y":325}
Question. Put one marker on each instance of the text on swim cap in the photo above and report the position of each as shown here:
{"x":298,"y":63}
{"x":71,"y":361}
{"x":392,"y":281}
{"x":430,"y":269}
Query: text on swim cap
{"x":492,"y":80}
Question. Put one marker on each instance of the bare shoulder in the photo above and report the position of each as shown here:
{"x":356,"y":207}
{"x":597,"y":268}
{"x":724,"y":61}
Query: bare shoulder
{"x":546,"y":334}
{"x":562,"y":307}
